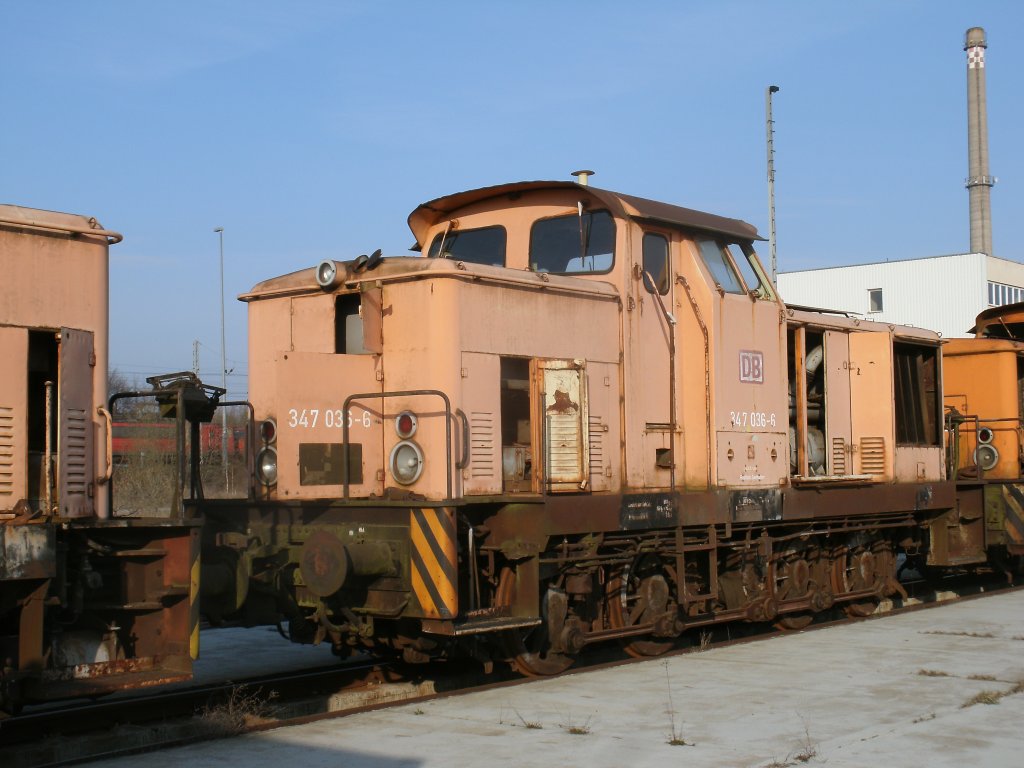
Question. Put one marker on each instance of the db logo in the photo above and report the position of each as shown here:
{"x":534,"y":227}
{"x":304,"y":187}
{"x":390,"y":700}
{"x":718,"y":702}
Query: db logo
{"x":751,"y":367}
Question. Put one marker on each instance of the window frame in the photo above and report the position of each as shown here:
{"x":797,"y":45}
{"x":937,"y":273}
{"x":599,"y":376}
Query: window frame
{"x":871,"y":301}
{"x":454,"y":232}
{"x":667,"y":275}
{"x":615,"y":236}
{"x":727,"y":260}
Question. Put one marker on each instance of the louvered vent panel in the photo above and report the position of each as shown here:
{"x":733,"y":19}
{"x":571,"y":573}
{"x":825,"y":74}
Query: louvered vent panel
{"x":7,"y":451}
{"x":596,"y":446}
{"x":872,"y":455}
{"x":481,"y":444}
{"x":73,"y":462}
{"x":838,"y":456}
{"x":564,"y":448}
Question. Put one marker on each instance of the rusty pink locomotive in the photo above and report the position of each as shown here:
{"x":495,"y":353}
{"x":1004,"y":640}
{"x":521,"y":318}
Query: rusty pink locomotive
{"x":90,"y":602}
{"x":575,"y":416}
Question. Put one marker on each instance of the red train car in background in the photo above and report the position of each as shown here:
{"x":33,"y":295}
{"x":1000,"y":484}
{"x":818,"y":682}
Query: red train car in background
{"x":132,"y":440}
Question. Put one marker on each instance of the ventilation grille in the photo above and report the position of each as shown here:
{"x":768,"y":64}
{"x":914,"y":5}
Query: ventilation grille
{"x":73,"y":462}
{"x":481,"y":444}
{"x":6,"y":451}
{"x":838,"y":456}
{"x":565,"y":448}
{"x":596,"y":446}
{"x":872,"y":455}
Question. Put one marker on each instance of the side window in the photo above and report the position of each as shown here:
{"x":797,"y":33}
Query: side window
{"x":721,"y":270}
{"x":477,"y":246}
{"x":656,"y":263}
{"x":916,"y":394}
{"x":573,"y":244}
{"x":742,"y":258}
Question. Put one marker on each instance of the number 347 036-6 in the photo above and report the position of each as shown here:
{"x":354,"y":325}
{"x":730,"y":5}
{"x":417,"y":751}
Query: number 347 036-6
{"x":309,"y":418}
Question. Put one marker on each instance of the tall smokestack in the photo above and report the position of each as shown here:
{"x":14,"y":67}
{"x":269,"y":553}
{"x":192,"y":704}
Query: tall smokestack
{"x":979,"y":183}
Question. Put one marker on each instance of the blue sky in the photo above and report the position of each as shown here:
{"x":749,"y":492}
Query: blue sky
{"x":310,"y":130}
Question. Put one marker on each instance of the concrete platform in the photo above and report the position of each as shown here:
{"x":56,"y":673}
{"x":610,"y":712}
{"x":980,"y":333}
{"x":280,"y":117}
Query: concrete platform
{"x":893,"y":691}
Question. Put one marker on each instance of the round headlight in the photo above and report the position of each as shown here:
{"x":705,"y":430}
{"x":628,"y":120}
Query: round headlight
{"x":406,"y":462}
{"x":268,"y":430}
{"x":405,"y":424}
{"x":266,"y":466}
{"x":985,"y":435}
{"x":986,"y":456}
{"x":327,"y":273}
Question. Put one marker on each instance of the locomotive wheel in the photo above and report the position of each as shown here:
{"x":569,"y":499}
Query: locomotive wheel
{"x":639,"y":593}
{"x":530,"y":649}
{"x":792,"y":622}
{"x":791,"y":578}
{"x":858,"y":569}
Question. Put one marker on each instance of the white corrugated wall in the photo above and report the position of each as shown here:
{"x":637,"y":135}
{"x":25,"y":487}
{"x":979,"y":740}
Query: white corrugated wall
{"x":943,"y":293}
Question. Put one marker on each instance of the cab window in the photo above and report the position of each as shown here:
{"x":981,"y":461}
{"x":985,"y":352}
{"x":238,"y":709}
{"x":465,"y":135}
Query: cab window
{"x":477,"y":246}
{"x":574,"y":244}
{"x":655,"y":257}
{"x":714,"y":254}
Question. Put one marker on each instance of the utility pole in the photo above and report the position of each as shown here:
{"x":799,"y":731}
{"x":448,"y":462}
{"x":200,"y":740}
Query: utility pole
{"x":223,"y":370}
{"x":770,"y":128}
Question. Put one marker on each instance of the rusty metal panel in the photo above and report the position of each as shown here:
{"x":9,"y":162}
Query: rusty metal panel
{"x":566,"y":444}
{"x":480,"y":392}
{"x":28,"y":552}
{"x":838,"y":428}
{"x":872,"y":418}
{"x":311,"y":390}
{"x":604,"y":427}
{"x":371,"y":309}
{"x":13,"y":423}
{"x":918,"y":463}
{"x":75,"y":429}
{"x":750,"y":459}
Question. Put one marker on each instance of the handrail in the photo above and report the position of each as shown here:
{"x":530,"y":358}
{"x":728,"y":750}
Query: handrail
{"x":109,"y":471}
{"x":382,"y":396}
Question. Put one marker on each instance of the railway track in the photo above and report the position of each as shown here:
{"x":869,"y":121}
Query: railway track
{"x":131,"y":724}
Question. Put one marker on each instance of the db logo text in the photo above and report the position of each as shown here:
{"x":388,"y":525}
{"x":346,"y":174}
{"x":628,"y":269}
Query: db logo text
{"x":751,"y":367}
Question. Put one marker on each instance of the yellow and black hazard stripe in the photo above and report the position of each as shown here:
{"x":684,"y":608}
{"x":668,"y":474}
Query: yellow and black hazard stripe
{"x":433,"y":554}
{"x":193,"y":608}
{"x":1013,"y":512}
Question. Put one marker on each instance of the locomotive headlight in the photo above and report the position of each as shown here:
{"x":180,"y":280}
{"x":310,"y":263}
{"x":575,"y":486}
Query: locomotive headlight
{"x":405,"y":424}
{"x":268,"y":431}
{"x":406,"y":462}
{"x":266,"y":466}
{"x":986,"y":456}
{"x":327,"y":274}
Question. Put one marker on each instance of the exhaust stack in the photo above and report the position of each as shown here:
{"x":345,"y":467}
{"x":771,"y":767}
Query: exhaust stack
{"x":979,"y":183}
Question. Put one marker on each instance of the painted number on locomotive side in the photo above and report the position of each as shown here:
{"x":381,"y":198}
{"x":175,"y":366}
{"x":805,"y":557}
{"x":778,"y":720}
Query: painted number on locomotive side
{"x":753,"y":419}
{"x":308,"y":418}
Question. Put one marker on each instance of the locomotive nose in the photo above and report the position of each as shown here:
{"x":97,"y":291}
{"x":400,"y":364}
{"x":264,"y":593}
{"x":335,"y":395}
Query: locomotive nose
{"x":325,"y":563}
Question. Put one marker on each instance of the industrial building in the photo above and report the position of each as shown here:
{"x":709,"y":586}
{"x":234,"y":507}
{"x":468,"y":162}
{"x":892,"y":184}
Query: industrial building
{"x":942,"y":293}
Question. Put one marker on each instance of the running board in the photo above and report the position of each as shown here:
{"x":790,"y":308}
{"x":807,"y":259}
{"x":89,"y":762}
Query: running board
{"x":477,"y":626}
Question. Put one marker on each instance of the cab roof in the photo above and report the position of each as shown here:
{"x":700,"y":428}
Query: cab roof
{"x":430,"y":213}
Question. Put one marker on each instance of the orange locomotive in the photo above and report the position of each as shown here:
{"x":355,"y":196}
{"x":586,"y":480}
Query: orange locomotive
{"x":576,"y":416}
{"x":89,"y":602}
{"x":984,"y":398}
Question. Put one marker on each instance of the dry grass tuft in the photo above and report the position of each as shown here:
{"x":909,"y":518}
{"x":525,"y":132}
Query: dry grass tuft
{"x":243,"y":709}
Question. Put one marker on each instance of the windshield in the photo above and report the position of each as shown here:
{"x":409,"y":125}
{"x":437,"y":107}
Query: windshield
{"x":573,"y":244}
{"x":477,"y":246}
